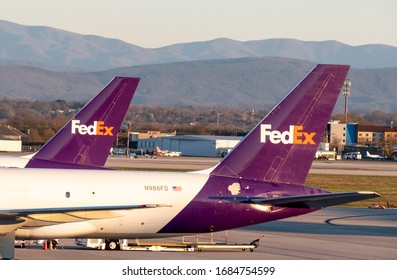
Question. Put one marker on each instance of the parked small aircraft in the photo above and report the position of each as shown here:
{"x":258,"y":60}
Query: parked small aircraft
{"x":374,"y":156}
{"x":166,"y":153}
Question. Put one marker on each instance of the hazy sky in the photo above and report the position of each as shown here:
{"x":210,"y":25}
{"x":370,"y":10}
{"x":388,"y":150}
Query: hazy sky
{"x":157,"y":23}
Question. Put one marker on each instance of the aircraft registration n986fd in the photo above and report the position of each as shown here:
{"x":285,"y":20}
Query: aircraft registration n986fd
{"x":260,"y":180}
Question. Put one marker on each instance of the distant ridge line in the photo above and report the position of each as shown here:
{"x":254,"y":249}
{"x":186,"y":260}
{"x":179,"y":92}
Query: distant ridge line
{"x":53,"y":48}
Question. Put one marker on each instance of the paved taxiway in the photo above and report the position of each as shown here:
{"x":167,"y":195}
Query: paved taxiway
{"x":356,"y":167}
{"x":332,"y":233}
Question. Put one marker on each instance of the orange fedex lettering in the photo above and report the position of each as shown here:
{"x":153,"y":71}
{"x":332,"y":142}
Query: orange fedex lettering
{"x":298,"y":134}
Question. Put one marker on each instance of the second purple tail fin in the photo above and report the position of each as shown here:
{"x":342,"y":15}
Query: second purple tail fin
{"x":282,"y":146}
{"x":85,"y":141}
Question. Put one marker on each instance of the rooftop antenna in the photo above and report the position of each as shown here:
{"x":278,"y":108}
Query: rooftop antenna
{"x":346,"y":92}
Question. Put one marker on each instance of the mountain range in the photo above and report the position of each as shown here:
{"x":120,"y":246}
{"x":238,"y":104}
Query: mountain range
{"x":245,"y":83}
{"x":47,"y":63}
{"x":54,"y":48}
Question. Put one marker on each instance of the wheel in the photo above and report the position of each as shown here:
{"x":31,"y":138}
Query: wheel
{"x":112,"y":244}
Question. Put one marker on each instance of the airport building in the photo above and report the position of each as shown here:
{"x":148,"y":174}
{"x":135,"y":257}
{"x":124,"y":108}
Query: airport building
{"x":371,"y":134}
{"x":341,"y":138}
{"x":361,"y":138}
{"x":191,"y":145}
{"x":341,"y":133}
{"x":10,"y":139}
{"x":353,"y":133}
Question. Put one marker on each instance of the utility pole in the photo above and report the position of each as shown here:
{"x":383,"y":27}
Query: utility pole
{"x":217,"y":119}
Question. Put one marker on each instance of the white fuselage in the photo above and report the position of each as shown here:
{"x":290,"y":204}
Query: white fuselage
{"x":374,"y":156}
{"x":21,"y":189}
{"x":14,"y":161}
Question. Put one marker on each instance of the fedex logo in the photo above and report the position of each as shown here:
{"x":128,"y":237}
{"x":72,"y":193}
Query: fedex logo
{"x":295,"y":135}
{"x":98,"y":128}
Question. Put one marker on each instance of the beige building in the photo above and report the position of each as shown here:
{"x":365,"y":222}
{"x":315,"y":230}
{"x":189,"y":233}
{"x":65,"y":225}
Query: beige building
{"x":352,"y":134}
{"x":391,"y":136}
{"x":10,"y":139}
{"x":374,"y":134}
{"x":365,"y":137}
{"x":341,"y":134}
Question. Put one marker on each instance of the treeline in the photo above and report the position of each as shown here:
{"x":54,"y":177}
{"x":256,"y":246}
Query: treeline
{"x":193,"y":120}
{"x":39,"y":120}
{"x":375,"y":117}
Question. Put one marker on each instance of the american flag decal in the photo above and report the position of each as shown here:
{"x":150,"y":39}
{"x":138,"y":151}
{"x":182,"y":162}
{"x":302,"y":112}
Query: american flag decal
{"x":177,"y":188}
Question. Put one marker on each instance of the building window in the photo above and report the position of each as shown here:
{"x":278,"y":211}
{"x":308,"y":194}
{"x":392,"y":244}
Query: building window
{"x":67,"y":194}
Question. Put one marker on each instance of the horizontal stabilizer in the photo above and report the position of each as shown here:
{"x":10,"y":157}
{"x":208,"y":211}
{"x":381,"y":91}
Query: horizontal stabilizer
{"x":305,"y":201}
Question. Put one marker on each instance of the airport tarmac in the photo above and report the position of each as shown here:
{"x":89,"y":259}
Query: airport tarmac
{"x":350,"y":167}
{"x":334,"y":233}
{"x":177,"y":163}
{"x":328,"y":234}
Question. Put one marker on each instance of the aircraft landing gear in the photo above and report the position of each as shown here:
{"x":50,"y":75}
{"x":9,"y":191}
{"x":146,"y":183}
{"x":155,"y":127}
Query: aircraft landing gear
{"x":112,"y":244}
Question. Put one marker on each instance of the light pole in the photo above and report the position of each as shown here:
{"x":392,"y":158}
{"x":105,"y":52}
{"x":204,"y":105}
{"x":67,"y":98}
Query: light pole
{"x":128,"y":140}
{"x":217,"y":119}
{"x":346,"y":92}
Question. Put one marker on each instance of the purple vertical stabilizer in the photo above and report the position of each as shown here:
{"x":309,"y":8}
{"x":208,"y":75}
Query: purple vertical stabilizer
{"x":85,"y":141}
{"x":262,"y":178}
{"x":281,"y":148}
